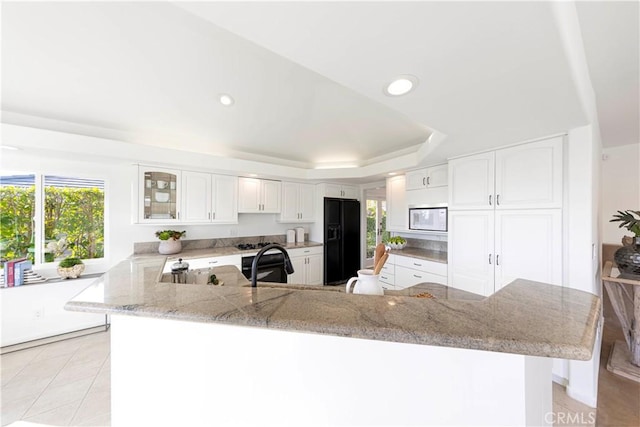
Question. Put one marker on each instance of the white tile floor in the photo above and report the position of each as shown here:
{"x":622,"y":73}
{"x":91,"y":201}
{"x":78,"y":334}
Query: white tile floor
{"x":67,"y":383}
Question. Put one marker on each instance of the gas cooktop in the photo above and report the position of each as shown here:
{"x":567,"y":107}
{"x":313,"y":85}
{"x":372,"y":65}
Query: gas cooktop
{"x":245,"y":246}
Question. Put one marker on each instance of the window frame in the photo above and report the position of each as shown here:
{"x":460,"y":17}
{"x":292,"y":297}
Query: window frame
{"x":38,"y":218}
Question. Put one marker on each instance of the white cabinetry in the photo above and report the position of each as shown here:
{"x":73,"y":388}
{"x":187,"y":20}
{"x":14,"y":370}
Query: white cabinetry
{"x":397,"y":209}
{"x":196,"y":197}
{"x":401,"y":272}
{"x":159,"y":195}
{"x":340,"y":191}
{"x":206,"y":262}
{"x":387,"y":274}
{"x":521,"y":177}
{"x":258,"y":195}
{"x":298,"y":202}
{"x":432,"y":177}
{"x":307,"y":266}
{"x":411,"y":271}
{"x":208,"y":198}
{"x":489,"y":249}
{"x":224,"y":205}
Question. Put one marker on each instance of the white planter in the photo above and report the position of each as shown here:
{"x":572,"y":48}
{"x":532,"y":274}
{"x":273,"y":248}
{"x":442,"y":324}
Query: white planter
{"x":170,"y":246}
{"x":71,"y":272}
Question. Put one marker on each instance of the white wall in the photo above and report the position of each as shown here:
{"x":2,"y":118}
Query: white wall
{"x":620,"y":185}
{"x":37,"y":311}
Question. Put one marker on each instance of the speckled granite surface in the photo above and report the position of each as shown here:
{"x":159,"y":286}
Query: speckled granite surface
{"x":428,"y":254}
{"x":524,"y":317}
{"x":217,"y":251}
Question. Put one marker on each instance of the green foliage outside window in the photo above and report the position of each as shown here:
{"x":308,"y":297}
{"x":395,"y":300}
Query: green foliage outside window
{"x":76,"y":214}
{"x":17,"y":208}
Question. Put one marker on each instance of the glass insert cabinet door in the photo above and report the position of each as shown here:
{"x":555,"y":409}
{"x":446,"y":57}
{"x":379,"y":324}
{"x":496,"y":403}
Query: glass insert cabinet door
{"x":160,"y":190}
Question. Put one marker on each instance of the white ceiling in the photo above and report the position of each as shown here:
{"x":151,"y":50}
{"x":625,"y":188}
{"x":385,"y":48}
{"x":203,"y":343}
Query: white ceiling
{"x":307,"y":77}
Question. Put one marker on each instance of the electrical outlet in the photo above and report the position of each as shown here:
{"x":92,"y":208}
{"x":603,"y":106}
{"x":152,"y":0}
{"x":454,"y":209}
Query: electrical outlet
{"x":38,"y":313}
{"x":233,"y":232}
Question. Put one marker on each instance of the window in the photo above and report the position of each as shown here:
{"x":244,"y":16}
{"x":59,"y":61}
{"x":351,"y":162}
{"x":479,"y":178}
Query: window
{"x":62,"y":216}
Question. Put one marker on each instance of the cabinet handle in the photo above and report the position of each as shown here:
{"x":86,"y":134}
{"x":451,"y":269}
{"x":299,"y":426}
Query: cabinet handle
{"x":423,"y":181}
{"x":416,"y":276}
{"x":489,"y":199}
{"x":416,"y":264}
{"x":178,"y":215}
{"x":382,"y":277}
{"x":489,"y":258}
{"x":214,"y":215}
{"x":497,"y":259}
{"x":497,"y":200}
{"x":428,"y":180}
{"x":209,"y":215}
{"x":213,"y":262}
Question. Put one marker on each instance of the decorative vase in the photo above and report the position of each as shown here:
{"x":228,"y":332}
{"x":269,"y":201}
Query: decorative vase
{"x":71,"y":272}
{"x":170,"y":247}
{"x":628,"y":258}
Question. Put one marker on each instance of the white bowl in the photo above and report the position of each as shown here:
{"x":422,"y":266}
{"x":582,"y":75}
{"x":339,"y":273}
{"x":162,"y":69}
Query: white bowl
{"x":162,"y":197}
{"x":397,"y":245}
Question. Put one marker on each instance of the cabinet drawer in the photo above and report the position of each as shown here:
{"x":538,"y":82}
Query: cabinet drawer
{"x":406,"y":277}
{"x":388,"y":269}
{"x":389,"y":279}
{"x":206,"y":262}
{"x":313,"y":250}
{"x":426,"y":266}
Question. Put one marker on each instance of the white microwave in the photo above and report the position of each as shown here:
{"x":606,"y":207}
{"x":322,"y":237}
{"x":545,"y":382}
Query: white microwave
{"x":428,"y":218}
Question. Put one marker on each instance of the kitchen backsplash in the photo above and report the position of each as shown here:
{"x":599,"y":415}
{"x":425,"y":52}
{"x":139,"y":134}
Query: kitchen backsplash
{"x":152,"y":247}
{"x":433,"y":245}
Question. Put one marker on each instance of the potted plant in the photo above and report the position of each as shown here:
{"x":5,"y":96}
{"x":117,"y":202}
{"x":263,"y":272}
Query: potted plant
{"x":170,"y":241}
{"x":628,"y":256}
{"x":70,"y":267}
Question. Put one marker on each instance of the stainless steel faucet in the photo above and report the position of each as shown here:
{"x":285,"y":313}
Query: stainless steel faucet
{"x":288,"y":267}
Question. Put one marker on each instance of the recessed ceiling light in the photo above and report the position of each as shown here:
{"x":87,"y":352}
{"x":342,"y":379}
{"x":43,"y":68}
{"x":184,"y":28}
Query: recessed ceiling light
{"x":226,"y":100}
{"x":393,"y":173}
{"x":401,"y":85}
{"x":9,"y":147}
{"x":253,"y":175}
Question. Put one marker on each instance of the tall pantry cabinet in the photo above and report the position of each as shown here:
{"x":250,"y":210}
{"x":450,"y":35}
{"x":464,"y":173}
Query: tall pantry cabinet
{"x":505,"y":217}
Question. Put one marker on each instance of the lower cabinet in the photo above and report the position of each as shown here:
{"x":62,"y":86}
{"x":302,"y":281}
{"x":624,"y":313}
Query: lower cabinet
{"x":307,"y":266}
{"x":401,"y":272}
{"x":387,"y":274}
{"x":488,"y":249}
{"x":411,"y":271}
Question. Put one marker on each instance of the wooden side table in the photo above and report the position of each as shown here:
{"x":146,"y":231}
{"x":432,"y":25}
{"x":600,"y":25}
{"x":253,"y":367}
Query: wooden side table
{"x":624,"y":293}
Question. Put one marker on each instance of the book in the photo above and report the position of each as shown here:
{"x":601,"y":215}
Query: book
{"x":20,"y":268}
{"x":9,"y":272}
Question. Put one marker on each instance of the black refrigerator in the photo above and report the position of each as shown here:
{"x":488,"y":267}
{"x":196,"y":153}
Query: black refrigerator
{"x":341,"y":240}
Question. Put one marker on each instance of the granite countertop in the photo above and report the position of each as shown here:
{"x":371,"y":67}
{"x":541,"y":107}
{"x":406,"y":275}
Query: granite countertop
{"x":220,"y":251}
{"x":426,"y":254}
{"x":524,"y":317}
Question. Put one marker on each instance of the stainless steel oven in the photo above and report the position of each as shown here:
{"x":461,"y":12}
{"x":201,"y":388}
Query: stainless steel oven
{"x":270,"y":268}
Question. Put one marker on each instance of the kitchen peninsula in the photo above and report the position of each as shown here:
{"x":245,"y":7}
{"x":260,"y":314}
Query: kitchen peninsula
{"x":187,"y":354}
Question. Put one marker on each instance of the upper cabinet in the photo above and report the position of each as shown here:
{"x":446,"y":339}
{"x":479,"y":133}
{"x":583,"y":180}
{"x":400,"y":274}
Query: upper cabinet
{"x":208,"y":198}
{"x":340,"y":191}
{"x":521,"y":177}
{"x":159,"y":191}
{"x":432,"y":177}
{"x":224,"y":201}
{"x":397,"y":209}
{"x":298,"y":202}
{"x":258,"y":195}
